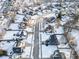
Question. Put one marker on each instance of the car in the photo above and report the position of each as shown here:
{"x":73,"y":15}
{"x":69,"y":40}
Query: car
{"x":17,"y":50}
{"x":52,"y":19}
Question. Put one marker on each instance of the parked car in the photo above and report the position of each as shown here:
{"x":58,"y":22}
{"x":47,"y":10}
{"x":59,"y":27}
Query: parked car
{"x":17,"y":50}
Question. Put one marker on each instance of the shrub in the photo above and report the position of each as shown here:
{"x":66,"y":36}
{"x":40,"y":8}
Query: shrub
{"x":3,"y":53}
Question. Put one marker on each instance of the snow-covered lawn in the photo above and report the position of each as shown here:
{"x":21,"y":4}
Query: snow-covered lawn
{"x":4,"y":57}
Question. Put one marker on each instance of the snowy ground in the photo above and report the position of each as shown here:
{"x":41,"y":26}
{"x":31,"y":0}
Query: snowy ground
{"x":28,"y":42}
{"x":4,"y":57}
{"x":9,"y":36}
{"x":48,"y":50}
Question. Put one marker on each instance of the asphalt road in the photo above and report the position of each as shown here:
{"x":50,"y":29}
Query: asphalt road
{"x":36,"y":42}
